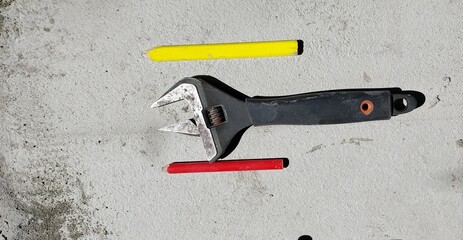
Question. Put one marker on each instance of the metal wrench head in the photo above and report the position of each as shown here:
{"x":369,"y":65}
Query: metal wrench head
{"x":218,"y":116}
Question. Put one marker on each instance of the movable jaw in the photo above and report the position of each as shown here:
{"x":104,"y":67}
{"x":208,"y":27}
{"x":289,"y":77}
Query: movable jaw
{"x":216,"y":115}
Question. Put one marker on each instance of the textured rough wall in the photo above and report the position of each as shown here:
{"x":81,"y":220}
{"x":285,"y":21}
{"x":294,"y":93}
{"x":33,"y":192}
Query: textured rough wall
{"x":80,"y":156}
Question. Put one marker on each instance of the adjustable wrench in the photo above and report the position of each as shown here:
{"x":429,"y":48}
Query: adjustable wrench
{"x":222,"y":114}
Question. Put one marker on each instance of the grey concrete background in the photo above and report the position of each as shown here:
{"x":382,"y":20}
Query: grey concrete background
{"x":80,"y":156}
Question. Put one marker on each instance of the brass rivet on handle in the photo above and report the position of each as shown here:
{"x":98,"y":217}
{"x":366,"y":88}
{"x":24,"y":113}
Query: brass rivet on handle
{"x":366,"y":107}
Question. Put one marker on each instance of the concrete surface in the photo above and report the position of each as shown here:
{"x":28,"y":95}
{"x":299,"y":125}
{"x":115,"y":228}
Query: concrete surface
{"x":80,"y":156}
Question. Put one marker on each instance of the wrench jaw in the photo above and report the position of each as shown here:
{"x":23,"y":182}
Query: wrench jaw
{"x":220,"y":115}
{"x":184,"y":90}
{"x":187,"y":127}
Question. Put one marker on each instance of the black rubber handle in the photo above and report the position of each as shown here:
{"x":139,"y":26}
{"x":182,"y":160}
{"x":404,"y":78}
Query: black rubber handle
{"x":330,"y":107}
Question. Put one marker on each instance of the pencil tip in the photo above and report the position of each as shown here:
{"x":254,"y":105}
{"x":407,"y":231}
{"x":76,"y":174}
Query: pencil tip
{"x":147,"y":55}
{"x":164,"y":168}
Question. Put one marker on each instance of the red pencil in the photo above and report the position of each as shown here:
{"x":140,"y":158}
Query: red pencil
{"x":226,"y":166}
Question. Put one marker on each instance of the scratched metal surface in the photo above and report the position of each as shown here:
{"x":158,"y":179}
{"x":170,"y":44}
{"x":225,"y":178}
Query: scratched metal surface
{"x":80,"y":156}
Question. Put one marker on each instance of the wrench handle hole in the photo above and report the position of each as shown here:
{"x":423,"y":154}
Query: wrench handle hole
{"x":401,"y":104}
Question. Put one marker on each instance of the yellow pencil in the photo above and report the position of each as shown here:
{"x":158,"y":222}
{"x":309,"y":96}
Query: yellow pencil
{"x":226,"y":50}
